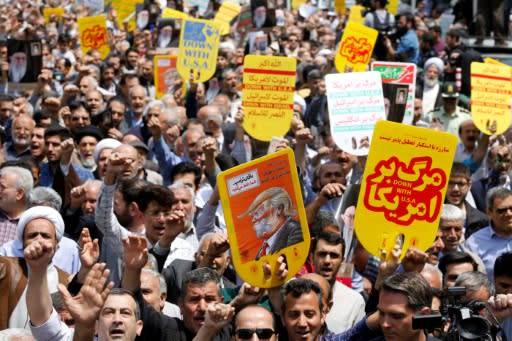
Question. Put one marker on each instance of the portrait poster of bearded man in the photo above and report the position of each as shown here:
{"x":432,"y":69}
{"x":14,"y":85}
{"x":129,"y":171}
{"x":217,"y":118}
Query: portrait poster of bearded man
{"x":263,"y":14}
{"x":25,"y":60}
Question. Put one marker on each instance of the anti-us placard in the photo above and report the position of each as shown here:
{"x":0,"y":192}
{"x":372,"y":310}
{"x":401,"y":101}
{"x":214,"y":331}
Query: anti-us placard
{"x":355,"y":104}
{"x":199,"y":46}
{"x":265,"y":216}
{"x":267,"y":97}
{"x":403,"y":187}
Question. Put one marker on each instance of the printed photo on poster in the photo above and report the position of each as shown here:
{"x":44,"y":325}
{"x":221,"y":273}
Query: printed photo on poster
{"x":25,"y":60}
{"x":263,"y":14}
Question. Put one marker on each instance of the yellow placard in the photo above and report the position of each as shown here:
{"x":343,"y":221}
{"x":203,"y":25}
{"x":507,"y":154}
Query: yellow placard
{"x":125,"y":9}
{"x":93,"y":35}
{"x":491,"y":93}
{"x":403,"y":187}
{"x":165,"y":74}
{"x":265,"y":216}
{"x":227,"y":12}
{"x":199,"y":46}
{"x":356,"y":14}
{"x":267,"y":97}
{"x":171,"y":13}
{"x":490,"y":60}
{"x":49,"y":11}
{"x":339,"y":6}
{"x":297,"y":3}
{"x":393,"y":7}
{"x":355,"y":48}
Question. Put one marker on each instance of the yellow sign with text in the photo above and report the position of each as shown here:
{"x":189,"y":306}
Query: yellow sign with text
{"x":171,"y":13}
{"x":265,"y":217}
{"x":227,"y":12}
{"x":93,"y":35}
{"x":490,"y":97}
{"x":48,"y":12}
{"x":267,"y":98}
{"x":355,"y":48}
{"x":199,"y":46}
{"x":403,"y":187}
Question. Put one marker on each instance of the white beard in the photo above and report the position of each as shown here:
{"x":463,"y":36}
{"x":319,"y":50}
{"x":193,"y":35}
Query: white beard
{"x":142,"y":23}
{"x":88,"y":162}
{"x":163,"y":41}
{"x":22,"y":142}
{"x":16,"y":73}
{"x":259,"y":21}
{"x":430,"y":83}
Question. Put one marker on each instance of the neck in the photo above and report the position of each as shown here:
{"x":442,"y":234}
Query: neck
{"x":15,"y":211}
{"x":19,"y":149}
{"x":503,"y":232}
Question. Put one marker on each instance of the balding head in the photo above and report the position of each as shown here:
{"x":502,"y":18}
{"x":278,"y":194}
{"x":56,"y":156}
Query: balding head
{"x":326,"y":289}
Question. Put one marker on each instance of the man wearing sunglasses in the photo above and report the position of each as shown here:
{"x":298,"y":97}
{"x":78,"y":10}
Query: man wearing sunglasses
{"x":495,"y":239}
{"x":254,"y":323}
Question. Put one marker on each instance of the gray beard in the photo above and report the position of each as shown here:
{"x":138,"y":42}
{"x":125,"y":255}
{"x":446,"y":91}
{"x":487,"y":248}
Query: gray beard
{"x":21,"y":142}
{"x":17,"y":72}
{"x":259,"y":21}
{"x":88,"y":163}
{"x":430,"y":83}
{"x":164,"y":41}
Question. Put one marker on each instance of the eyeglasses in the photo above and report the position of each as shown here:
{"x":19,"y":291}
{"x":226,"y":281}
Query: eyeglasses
{"x":262,"y":333}
{"x":503,"y":210}
{"x":452,"y":184}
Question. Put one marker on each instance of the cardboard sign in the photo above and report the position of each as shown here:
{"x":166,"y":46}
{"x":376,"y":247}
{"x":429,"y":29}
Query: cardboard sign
{"x":165,"y":74}
{"x":355,"y":104}
{"x":267,"y":97}
{"x":356,"y":47}
{"x":48,"y":12}
{"x":170,"y":13}
{"x":259,"y":232}
{"x":126,"y":9}
{"x":403,"y":187}
{"x":93,"y":35}
{"x":227,"y":12}
{"x":393,"y":7}
{"x":199,"y":46}
{"x":490,"y":96}
{"x":356,"y":14}
{"x":398,"y":84}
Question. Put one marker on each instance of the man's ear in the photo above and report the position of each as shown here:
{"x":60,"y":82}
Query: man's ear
{"x":329,"y":306}
{"x":163,"y":298}
{"x":134,"y":208}
{"x":425,"y":311}
{"x":138,"y":329}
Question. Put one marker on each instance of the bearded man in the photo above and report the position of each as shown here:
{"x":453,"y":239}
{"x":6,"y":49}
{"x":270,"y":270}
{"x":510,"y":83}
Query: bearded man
{"x":431,"y":84}
{"x":17,"y":67}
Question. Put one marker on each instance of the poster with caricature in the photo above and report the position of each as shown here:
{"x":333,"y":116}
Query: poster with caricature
{"x":265,"y":216}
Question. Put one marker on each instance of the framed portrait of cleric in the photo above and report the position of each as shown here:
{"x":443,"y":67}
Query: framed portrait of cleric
{"x":25,"y":62}
{"x":263,"y":14}
{"x":265,"y":217}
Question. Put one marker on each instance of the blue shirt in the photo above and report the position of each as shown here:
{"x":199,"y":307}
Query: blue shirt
{"x":488,"y":246}
{"x":166,"y":159}
{"x":410,"y":46}
{"x":46,"y":177}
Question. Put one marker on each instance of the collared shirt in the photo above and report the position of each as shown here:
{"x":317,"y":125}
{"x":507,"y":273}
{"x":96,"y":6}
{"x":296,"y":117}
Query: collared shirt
{"x":410,"y":46}
{"x":451,"y":122}
{"x":47,"y":175}
{"x":166,"y":159}
{"x":7,"y":228}
{"x":488,"y":246}
{"x":12,"y":154}
{"x":52,"y":330}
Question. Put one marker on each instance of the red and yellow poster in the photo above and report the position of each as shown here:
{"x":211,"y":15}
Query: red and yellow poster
{"x":356,"y":48}
{"x":93,"y":35}
{"x":403,"y":187}
{"x":165,"y":74}
{"x":490,"y":96}
{"x":267,"y":99}
{"x":265,"y":216}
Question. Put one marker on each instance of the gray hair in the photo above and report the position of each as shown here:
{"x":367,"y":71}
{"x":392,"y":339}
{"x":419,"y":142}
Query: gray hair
{"x":12,"y":333}
{"x":24,"y":179}
{"x":474,"y":281}
{"x":90,"y":183}
{"x":171,"y":116}
{"x":178,"y":184}
{"x":434,"y":270}
{"x":161,"y":279}
{"x":44,"y":196}
{"x":496,"y":193}
{"x":451,"y":213}
{"x":200,"y":276}
{"x":154,"y":104}
{"x":216,"y":117}
{"x":130,"y":92}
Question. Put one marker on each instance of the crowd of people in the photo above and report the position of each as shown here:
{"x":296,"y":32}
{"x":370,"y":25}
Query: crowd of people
{"x":111,"y":225}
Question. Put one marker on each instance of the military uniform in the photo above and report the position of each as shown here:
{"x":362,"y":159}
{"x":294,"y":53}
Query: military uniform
{"x":451,"y":122}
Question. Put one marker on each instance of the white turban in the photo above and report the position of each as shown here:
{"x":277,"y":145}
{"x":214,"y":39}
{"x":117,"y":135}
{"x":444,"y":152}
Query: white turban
{"x":43,"y":212}
{"x":437,"y":62}
{"x":104,"y":144}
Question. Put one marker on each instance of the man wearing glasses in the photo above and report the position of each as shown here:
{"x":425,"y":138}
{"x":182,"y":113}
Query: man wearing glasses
{"x":495,"y":239}
{"x":254,"y":323}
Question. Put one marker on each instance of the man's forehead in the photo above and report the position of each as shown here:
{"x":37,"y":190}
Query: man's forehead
{"x":119,"y":302}
{"x":209,"y":288}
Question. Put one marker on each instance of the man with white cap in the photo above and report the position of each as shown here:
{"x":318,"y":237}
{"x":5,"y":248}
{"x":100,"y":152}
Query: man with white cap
{"x":101,"y":153}
{"x":39,"y":224}
{"x":432,"y":84}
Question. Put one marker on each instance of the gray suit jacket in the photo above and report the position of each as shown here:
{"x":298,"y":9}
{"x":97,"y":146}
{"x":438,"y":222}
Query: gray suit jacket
{"x":289,"y":234}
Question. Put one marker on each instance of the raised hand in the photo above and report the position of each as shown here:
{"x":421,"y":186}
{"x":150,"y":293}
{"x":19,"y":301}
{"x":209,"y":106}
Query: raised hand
{"x":39,"y":254}
{"x":135,"y":252}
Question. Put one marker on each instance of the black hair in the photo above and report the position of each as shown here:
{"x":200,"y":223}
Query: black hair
{"x":186,"y":168}
{"x":456,"y":258}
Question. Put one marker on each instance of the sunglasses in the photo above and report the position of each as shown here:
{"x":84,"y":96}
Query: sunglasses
{"x":262,"y":333}
{"x":502,"y":210}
